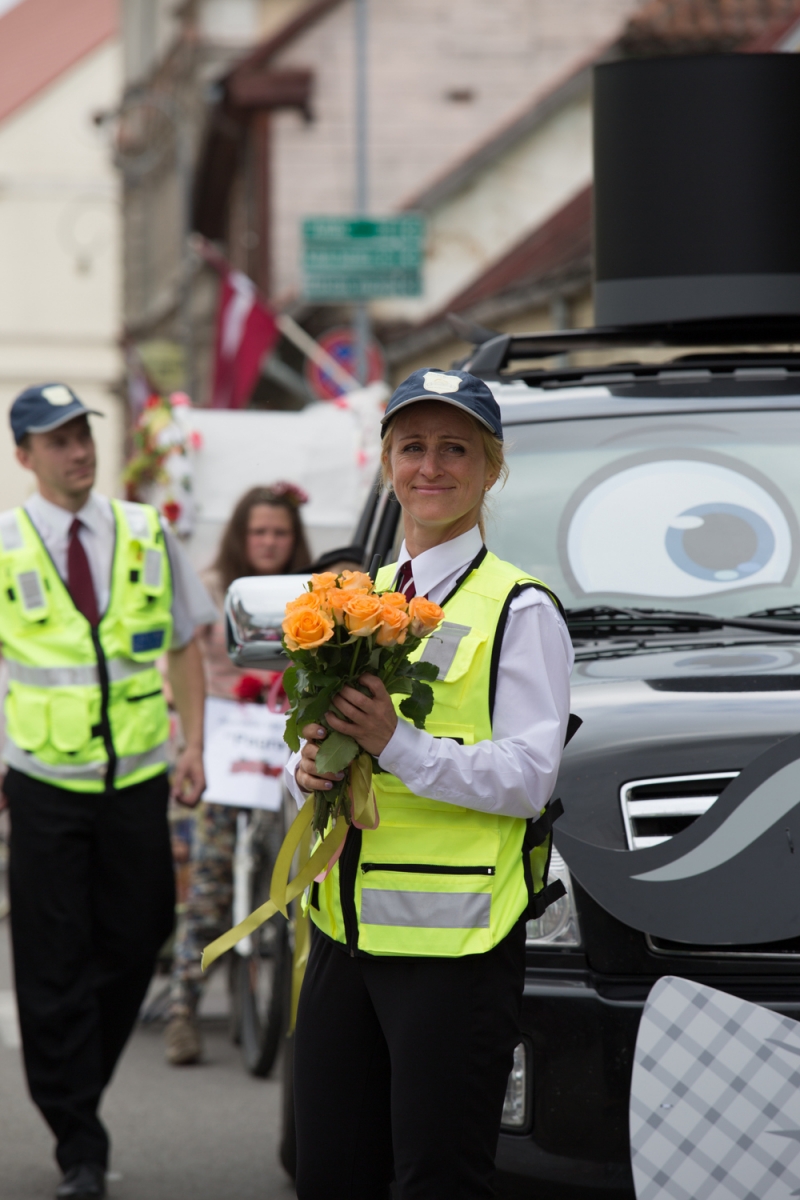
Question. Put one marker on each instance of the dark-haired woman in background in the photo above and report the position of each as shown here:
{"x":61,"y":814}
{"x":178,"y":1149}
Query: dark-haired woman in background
{"x":264,"y":536}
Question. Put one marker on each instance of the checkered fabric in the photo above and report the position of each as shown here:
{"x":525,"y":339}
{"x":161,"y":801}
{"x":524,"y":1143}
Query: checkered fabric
{"x":715,"y":1098}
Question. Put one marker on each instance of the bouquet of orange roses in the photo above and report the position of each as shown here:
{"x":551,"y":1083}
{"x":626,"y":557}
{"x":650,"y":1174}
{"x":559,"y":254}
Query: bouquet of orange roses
{"x":335,"y":632}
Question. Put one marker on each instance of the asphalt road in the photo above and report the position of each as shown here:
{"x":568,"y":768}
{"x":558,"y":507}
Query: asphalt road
{"x":194,"y":1133}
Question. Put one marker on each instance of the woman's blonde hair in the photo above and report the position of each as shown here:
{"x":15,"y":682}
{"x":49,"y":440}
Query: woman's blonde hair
{"x":492,"y":448}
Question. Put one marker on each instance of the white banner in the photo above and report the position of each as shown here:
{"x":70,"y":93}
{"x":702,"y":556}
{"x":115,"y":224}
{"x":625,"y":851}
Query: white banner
{"x":245,"y":754}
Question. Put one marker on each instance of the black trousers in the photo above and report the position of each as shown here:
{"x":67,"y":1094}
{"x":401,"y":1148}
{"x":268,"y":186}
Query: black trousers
{"x":401,"y":1066}
{"x":92,"y":900}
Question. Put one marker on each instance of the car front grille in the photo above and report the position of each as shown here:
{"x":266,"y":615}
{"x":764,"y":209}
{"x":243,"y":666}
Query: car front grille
{"x":654,"y":810}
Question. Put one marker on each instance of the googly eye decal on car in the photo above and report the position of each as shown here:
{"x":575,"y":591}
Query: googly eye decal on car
{"x":721,"y":542}
{"x":677,"y":527}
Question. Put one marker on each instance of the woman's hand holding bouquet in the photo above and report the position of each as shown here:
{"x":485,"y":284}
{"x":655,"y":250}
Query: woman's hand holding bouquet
{"x":335,"y":633}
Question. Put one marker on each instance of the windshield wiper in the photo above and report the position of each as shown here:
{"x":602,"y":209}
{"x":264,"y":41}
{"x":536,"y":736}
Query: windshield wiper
{"x":608,"y":621}
{"x":790,"y":611}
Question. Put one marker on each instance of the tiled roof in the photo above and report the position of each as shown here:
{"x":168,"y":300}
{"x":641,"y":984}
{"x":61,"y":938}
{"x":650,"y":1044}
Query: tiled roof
{"x":40,"y":39}
{"x":697,"y":26}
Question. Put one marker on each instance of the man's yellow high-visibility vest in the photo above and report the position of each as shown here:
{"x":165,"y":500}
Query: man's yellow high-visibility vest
{"x":85,"y":708}
{"x":435,"y":878}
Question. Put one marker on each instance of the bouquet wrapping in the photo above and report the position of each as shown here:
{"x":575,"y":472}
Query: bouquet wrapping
{"x":333,"y":633}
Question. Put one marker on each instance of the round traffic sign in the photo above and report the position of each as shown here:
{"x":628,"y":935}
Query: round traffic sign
{"x":340,"y":344}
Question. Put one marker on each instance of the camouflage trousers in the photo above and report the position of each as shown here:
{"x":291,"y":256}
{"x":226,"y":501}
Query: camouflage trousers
{"x":208,"y":904}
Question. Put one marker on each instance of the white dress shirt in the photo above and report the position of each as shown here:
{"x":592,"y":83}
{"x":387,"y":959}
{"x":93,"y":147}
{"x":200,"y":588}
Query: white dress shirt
{"x":514,"y":774}
{"x":191,"y":603}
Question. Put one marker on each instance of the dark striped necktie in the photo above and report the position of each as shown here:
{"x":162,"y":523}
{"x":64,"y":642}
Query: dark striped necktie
{"x":405,"y":581}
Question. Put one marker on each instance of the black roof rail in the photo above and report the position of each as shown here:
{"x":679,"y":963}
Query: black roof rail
{"x":491,"y":357}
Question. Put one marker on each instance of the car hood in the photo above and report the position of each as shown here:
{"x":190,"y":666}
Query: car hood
{"x":674,"y":712}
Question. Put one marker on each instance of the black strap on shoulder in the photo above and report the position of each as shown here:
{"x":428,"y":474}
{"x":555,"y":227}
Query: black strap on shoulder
{"x":473,"y":566}
{"x":494,"y":667}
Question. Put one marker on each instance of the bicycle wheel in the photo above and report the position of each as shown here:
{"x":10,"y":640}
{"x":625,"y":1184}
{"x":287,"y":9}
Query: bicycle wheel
{"x":263,"y":974}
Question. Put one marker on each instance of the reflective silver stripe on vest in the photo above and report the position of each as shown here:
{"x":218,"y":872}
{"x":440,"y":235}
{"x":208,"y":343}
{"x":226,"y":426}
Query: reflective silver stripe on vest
{"x":10,"y":532}
{"x":429,"y":910}
{"x":61,"y":677}
{"x":441,"y":646}
{"x":27,"y":762}
{"x":158,"y":756}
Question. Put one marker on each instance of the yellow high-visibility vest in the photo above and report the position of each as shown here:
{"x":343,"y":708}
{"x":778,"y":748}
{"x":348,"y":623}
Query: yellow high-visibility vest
{"x":437,"y":879}
{"x":85,"y":708}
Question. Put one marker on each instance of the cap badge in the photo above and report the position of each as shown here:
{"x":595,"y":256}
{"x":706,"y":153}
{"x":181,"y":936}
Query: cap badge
{"x":58,"y":394}
{"x":436,"y":381}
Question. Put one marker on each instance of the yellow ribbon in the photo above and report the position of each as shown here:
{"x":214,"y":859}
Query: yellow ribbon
{"x":281,"y":891}
{"x":363,"y":805}
{"x":302,"y":940}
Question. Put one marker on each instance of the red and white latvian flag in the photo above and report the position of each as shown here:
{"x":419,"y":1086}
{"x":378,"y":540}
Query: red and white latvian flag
{"x":246,"y":331}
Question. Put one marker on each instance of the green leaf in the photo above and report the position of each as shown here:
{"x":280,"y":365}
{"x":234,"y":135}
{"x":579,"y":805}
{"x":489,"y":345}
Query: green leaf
{"x":399,"y":687}
{"x":319,"y":680}
{"x":302,"y":680}
{"x":336,"y":752}
{"x":315,"y":708}
{"x":290,"y":734}
{"x":424,"y":670}
{"x":418,"y":705}
{"x":290,"y":676}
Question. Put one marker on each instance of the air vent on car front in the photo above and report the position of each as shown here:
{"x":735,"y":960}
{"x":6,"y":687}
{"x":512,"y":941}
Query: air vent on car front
{"x":654,"y":810}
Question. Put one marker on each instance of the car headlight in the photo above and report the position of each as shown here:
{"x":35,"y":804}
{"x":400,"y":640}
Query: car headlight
{"x":515,"y":1105}
{"x":558,"y":924}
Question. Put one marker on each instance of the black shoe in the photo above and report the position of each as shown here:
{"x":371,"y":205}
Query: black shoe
{"x":84,"y":1181}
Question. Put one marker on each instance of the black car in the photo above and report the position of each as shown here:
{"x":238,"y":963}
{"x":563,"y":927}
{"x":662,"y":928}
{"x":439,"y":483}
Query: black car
{"x":643,"y":493}
{"x":659,"y":496}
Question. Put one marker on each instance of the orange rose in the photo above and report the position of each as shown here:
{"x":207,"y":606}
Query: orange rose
{"x":393,"y":600}
{"x":304,"y":600}
{"x":305,"y":629}
{"x":425,"y":616}
{"x":394,"y":626}
{"x":357,"y":581}
{"x":334,"y":602}
{"x":321,"y":583}
{"x":362,"y":614}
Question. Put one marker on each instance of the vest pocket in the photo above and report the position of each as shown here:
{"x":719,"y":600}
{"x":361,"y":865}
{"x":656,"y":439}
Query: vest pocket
{"x":70,"y":727}
{"x":27,"y":717}
{"x":144,"y":715}
{"x":145,"y":638}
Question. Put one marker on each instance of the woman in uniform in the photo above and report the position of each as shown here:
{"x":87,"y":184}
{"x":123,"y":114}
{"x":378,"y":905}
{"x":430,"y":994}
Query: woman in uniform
{"x":264,"y":536}
{"x":408,"y":1016}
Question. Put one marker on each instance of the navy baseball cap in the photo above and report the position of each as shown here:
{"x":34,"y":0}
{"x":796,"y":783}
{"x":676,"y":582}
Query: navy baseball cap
{"x":44,"y":407}
{"x":458,"y":388}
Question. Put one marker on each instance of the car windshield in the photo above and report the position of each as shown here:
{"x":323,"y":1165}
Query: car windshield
{"x":695,"y":511}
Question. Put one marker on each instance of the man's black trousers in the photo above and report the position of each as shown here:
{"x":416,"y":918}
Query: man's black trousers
{"x":92,"y":900}
{"x":401,"y":1066}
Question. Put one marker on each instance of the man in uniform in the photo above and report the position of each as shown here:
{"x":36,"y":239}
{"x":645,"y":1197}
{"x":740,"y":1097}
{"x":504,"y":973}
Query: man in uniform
{"x":92,"y":592}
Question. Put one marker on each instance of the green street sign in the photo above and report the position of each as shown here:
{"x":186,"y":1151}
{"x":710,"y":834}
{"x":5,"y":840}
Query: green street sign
{"x":356,"y":258}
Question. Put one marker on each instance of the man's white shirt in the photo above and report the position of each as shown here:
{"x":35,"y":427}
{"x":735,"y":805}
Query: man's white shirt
{"x":513,"y":774}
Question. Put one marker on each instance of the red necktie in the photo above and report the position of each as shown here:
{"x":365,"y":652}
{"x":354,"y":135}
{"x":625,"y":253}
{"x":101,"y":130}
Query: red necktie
{"x":79,"y":577}
{"x":405,"y":581}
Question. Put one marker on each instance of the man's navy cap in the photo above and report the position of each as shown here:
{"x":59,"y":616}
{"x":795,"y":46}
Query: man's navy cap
{"x":458,"y":388}
{"x":44,"y":407}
